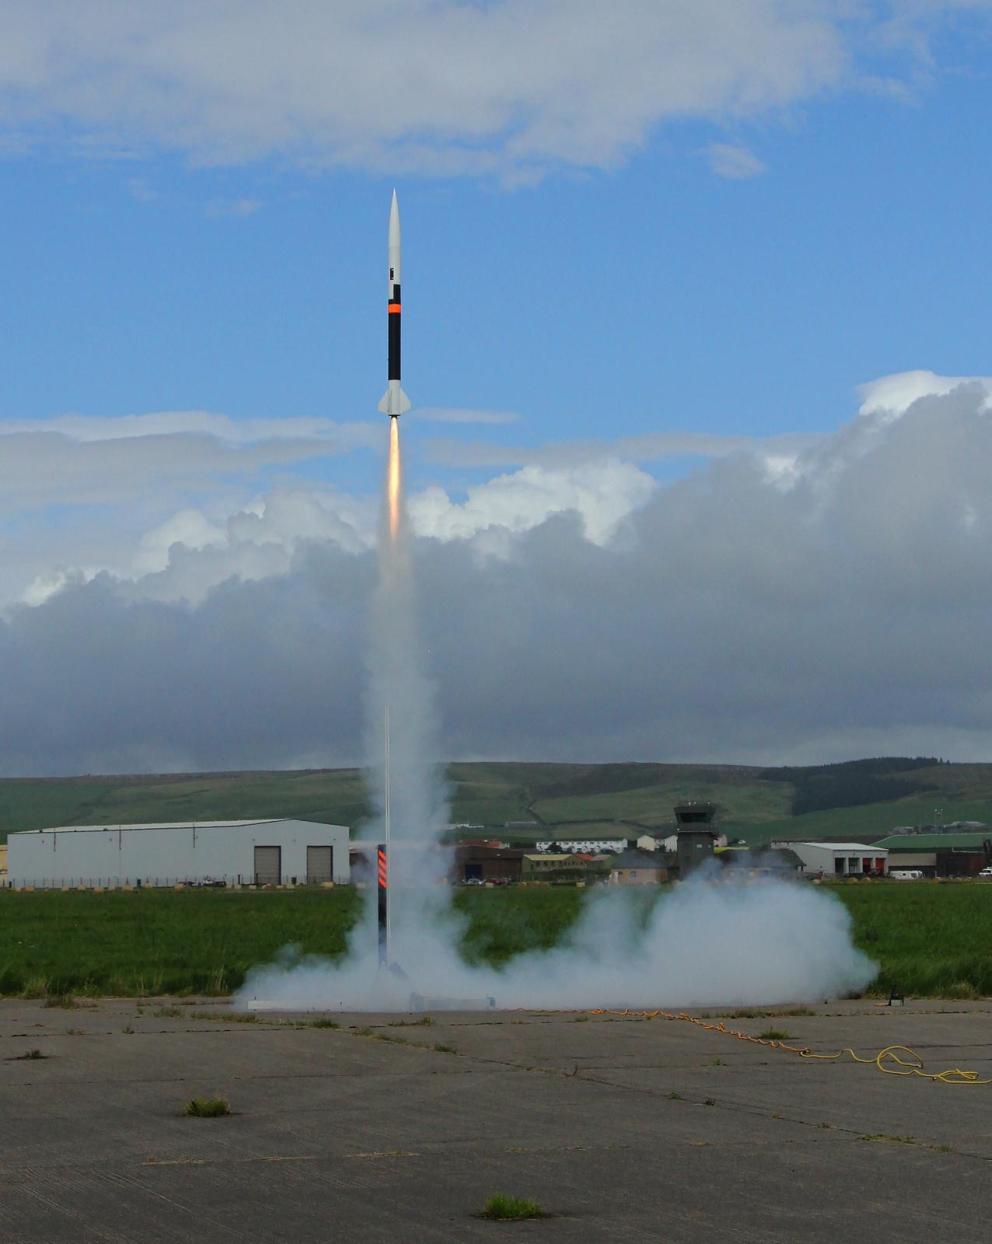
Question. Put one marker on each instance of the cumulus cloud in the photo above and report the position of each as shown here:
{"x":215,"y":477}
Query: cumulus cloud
{"x":745,"y":612}
{"x":230,"y":82}
{"x":891,"y":396}
{"x":601,"y":495}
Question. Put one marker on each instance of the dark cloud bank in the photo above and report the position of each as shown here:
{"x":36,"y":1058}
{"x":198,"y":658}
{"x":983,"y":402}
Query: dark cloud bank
{"x":830,"y":606}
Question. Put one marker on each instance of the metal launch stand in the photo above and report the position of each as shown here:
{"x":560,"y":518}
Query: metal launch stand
{"x":382,"y":859}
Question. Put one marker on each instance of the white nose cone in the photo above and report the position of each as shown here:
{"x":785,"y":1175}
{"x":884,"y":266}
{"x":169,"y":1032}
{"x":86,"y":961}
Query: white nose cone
{"x":394,"y":243}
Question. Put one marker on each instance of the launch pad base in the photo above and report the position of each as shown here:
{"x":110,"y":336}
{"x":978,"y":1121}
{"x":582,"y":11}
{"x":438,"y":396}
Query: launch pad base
{"x":420,"y":1003}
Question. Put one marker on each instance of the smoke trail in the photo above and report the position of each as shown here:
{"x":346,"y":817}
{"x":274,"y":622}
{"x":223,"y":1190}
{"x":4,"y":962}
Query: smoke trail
{"x":400,"y":697}
{"x":708,"y":942}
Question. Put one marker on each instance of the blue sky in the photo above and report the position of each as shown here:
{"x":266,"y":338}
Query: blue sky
{"x":651,"y":251}
{"x":651,"y":294}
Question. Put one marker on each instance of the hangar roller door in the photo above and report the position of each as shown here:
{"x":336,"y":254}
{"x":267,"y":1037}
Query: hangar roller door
{"x":320,"y":865}
{"x":268,"y":865}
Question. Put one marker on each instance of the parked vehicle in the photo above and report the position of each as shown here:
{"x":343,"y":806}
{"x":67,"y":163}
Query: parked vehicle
{"x":906,"y":874}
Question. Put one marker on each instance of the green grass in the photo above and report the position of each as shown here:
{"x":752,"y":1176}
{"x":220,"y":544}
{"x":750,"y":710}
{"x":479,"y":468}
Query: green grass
{"x":57,"y":944}
{"x":507,"y":922}
{"x":207,"y":1107}
{"x":503,"y":1207}
{"x":930,"y":939}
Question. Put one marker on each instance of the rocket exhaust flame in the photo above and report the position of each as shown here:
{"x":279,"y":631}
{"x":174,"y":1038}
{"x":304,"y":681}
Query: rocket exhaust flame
{"x":394,"y":481}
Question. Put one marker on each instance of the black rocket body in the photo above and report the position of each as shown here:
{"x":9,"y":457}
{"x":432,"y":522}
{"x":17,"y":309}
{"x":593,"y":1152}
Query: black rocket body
{"x":394,"y":400}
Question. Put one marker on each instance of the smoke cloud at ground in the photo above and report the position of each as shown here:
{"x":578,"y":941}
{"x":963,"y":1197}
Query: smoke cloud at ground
{"x":706,"y":943}
{"x":711,"y":941}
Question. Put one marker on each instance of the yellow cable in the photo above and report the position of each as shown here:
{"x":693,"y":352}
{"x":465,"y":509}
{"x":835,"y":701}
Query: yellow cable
{"x":887,"y":1060}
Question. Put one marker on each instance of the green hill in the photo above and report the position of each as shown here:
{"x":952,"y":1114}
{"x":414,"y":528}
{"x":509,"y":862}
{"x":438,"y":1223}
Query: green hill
{"x":527,"y":801}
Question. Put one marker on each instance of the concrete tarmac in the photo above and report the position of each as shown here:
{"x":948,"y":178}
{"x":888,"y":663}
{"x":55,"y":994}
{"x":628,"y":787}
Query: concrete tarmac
{"x":386,"y":1129}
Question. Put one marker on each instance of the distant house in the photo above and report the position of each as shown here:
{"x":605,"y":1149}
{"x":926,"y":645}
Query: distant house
{"x":634,"y":867}
{"x":485,"y":862}
{"x":564,"y":866}
{"x":572,"y":846}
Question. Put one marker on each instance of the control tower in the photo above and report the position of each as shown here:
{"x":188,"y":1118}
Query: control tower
{"x":696,"y":835}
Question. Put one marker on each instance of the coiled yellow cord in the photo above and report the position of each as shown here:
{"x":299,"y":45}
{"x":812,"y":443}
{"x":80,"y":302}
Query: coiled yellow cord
{"x":889,"y":1060}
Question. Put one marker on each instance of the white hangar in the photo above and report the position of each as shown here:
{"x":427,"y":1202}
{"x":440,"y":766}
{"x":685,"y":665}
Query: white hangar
{"x":263,"y":852}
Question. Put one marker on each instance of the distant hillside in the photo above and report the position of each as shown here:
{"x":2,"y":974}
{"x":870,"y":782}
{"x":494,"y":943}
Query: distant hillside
{"x":853,"y":799}
{"x":821,"y":787}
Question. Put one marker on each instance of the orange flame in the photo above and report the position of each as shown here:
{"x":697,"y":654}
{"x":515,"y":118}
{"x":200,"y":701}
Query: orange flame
{"x":393,"y":479}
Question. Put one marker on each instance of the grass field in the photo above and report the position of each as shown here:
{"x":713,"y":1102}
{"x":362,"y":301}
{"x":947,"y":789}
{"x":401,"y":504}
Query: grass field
{"x":564,"y":800}
{"x":930,"y":939}
{"x":870,"y":819}
{"x":159,"y":941}
{"x":741,"y":802}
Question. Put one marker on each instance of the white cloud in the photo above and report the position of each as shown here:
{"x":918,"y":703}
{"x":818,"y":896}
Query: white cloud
{"x":199,"y":423}
{"x":648,"y":447}
{"x":83,"y":460}
{"x":891,"y":396}
{"x":734,"y":162}
{"x":802,"y":606}
{"x":432,"y":86}
{"x":458,"y":414}
{"x":602,"y":495}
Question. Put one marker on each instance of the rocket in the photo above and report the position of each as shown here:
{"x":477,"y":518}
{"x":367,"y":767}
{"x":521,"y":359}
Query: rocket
{"x":394,"y":400}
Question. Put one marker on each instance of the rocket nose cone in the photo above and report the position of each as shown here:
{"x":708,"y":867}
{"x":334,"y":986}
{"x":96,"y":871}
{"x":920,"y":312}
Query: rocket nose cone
{"x":394,"y":222}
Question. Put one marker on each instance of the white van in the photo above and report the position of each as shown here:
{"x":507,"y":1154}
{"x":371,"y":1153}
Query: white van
{"x":906,"y":874}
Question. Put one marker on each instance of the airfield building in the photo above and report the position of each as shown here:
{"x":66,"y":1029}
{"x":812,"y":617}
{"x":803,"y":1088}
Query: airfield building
{"x":260,"y":852}
{"x":696,"y":837}
{"x":939,"y":854}
{"x":635,"y":867}
{"x":840,"y":859}
{"x":482,"y":862}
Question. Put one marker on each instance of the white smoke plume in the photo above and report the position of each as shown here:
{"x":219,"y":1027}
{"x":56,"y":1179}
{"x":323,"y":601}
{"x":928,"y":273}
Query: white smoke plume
{"x":706,"y":942}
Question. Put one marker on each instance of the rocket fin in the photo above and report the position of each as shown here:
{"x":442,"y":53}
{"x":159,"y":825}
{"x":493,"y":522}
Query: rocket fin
{"x":394,"y":402}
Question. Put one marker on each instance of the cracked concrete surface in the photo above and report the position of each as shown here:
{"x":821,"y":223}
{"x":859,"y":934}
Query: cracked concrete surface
{"x":623,"y":1128}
